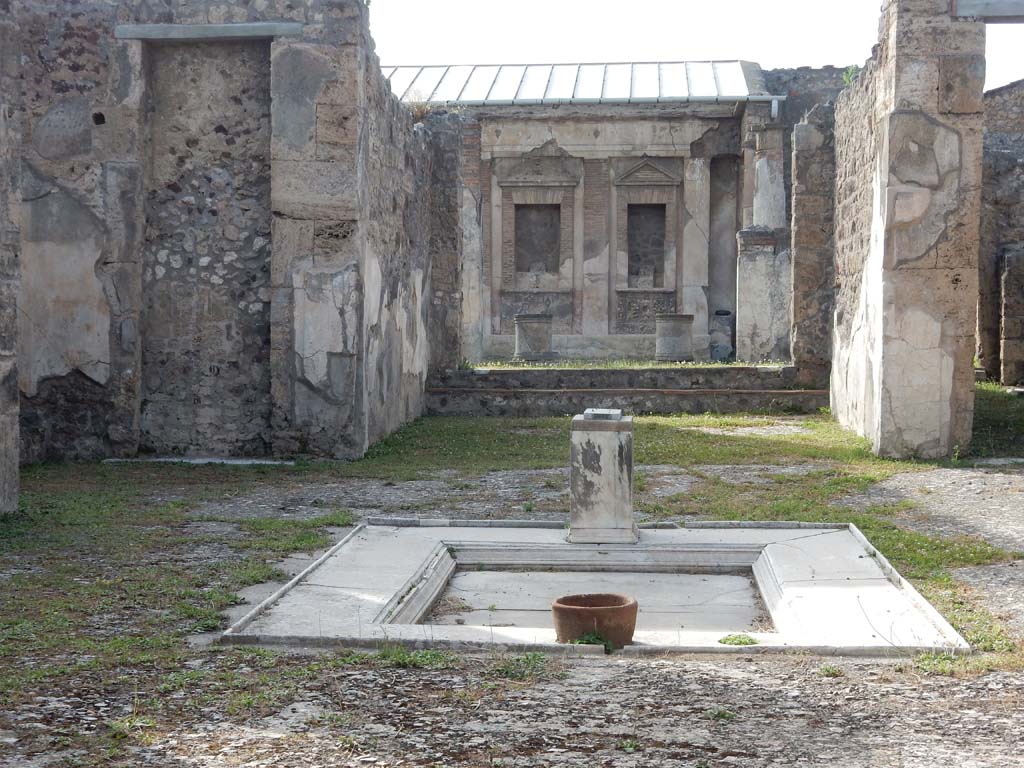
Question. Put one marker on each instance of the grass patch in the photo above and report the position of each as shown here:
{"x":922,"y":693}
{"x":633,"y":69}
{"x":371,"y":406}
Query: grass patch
{"x":398,"y":657}
{"x":998,"y":422}
{"x":280,"y":536}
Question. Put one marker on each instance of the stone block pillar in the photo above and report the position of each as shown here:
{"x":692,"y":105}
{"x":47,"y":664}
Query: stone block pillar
{"x":762,"y":296}
{"x":693,"y":299}
{"x":9,"y":240}
{"x":908,"y":198}
{"x":601,"y":479}
{"x":814,"y":176}
{"x":1011,"y":341}
{"x":318,"y":245}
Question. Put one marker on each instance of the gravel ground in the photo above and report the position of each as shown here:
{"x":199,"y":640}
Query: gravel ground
{"x":987,"y":502}
{"x":692,"y":712}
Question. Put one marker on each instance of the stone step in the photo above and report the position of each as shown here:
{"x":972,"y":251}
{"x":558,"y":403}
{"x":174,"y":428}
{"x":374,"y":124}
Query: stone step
{"x":558,"y":392}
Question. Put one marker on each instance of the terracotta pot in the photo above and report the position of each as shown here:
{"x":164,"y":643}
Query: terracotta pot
{"x":609,"y":615}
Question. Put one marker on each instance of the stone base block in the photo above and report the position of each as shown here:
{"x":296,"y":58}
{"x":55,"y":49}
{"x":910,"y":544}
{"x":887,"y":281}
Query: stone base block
{"x":579,"y":535}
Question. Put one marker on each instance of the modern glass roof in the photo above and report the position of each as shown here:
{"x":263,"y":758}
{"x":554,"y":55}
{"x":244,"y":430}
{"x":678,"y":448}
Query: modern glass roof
{"x":612,"y":83}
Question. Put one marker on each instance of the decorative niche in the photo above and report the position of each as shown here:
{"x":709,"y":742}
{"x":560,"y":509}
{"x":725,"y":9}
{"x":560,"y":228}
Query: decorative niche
{"x":646,"y":229}
{"x":537,"y":194}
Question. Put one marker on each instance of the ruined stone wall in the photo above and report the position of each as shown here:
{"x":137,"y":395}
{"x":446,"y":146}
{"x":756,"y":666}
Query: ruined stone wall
{"x":1002,"y":216}
{"x":352,"y":214}
{"x":396,"y":272}
{"x":813,"y":206}
{"x":908,"y":195}
{"x":10,"y":122}
{"x":859,"y":116}
{"x":1004,"y":116}
{"x":206,"y":258}
{"x":446,"y":240}
{"x":226,"y":244}
{"x":804,"y":88}
{"x":81,"y":228}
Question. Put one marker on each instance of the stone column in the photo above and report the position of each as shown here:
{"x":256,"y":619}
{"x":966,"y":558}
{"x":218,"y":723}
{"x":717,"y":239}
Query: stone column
{"x":1011,"y":341}
{"x":696,"y":247}
{"x":814,"y":176}
{"x":601,"y":478}
{"x":769,"y":179}
{"x":908,"y":198}
{"x":9,"y":239}
{"x":762,"y":296}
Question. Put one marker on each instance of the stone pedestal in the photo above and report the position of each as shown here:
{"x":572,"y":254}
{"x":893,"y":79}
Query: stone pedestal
{"x":673,"y":337}
{"x":533,"y":337}
{"x":601,"y":479}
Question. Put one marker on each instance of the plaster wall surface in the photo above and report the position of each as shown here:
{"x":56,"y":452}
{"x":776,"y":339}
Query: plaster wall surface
{"x":397,"y":267}
{"x":206,"y":259}
{"x":908,"y":194}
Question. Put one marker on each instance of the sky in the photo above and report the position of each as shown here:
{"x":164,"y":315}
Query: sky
{"x":783,"y":33}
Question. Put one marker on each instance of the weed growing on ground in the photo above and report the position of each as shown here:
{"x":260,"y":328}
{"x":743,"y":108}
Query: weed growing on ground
{"x":738,"y":640}
{"x":830,"y":670}
{"x":528,"y":666}
{"x":721,"y":714}
{"x":629,"y":746}
{"x":398,"y":657}
{"x":594,"y":638}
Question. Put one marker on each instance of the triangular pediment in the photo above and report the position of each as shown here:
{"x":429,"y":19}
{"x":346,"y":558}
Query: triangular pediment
{"x":648,"y":173}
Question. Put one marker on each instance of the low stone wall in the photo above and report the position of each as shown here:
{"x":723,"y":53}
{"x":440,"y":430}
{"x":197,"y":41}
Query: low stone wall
{"x":558,"y":392}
